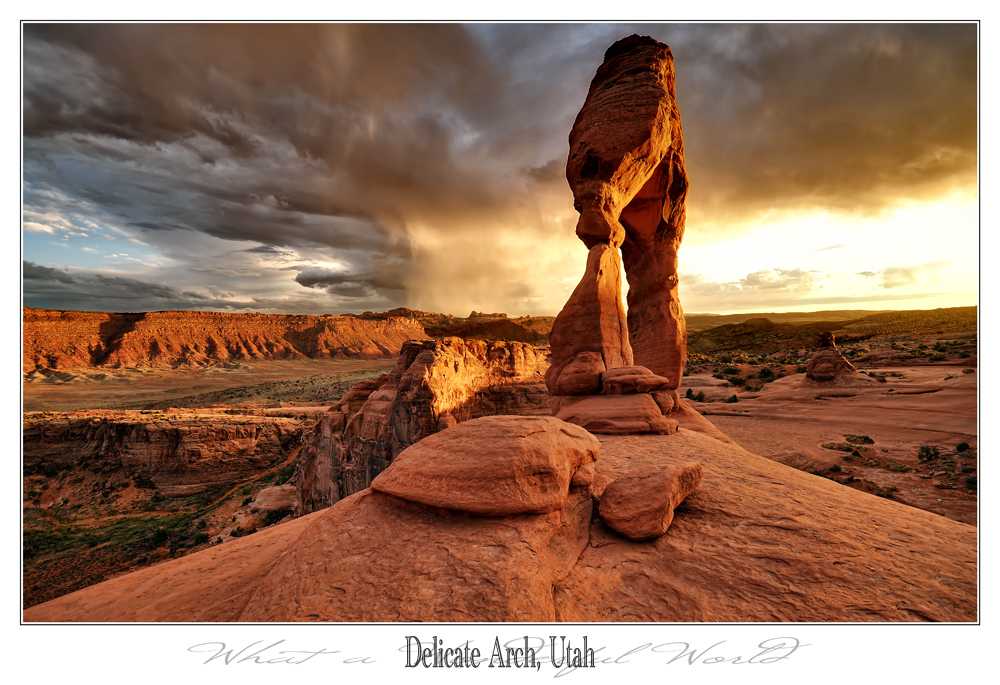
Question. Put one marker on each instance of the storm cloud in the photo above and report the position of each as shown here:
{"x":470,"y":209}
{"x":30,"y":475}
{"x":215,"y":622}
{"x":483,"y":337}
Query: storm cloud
{"x":339,"y":167}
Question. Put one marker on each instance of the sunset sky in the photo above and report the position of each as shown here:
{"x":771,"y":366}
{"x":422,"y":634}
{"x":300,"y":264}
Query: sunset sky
{"x":348,"y":167}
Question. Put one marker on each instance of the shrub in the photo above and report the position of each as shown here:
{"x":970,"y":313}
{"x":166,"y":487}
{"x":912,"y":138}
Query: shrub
{"x":730,"y":370}
{"x":200,"y":538}
{"x":928,"y":453}
{"x":766,"y":373}
{"x":689,"y":394}
{"x":836,"y":468}
{"x":800,"y":369}
{"x":840,"y":446}
{"x":858,"y":439}
{"x":700,"y":397}
{"x":970,"y":482}
{"x":961,"y":447}
{"x":732,"y":399}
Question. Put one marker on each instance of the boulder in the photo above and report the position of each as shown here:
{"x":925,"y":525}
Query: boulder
{"x":492,"y":466}
{"x":641,"y":506}
{"x":626,"y":380}
{"x":275,"y":499}
{"x":582,"y":376}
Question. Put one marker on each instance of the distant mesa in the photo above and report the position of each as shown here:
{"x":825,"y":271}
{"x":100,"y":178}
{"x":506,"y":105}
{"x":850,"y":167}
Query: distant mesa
{"x":77,"y":340}
{"x":402,"y":312}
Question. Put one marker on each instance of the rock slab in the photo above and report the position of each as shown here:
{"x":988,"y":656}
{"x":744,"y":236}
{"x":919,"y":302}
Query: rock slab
{"x":641,"y":506}
{"x":493,"y":466}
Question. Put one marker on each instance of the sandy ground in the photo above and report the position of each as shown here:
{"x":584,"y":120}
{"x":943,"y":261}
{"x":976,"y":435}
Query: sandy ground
{"x":159,"y":388}
{"x":934,"y":405}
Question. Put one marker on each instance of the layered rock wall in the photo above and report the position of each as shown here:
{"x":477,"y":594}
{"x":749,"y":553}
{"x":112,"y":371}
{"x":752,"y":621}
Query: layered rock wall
{"x":66,"y":339}
{"x":180,"y":456}
{"x":435,"y":384}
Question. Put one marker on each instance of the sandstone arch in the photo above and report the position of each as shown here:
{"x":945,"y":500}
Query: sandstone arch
{"x":626,"y":169}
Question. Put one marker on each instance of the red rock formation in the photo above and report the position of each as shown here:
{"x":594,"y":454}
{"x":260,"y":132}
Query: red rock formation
{"x":626,"y":169}
{"x":758,"y":541}
{"x":275,"y":498}
{"x":828,"y":365}
{"x":433,"y":385}
{"x":180,"y":456}
{"x":641,"y":506}
{"x":493,"y":466}
{"x":62,"y":340}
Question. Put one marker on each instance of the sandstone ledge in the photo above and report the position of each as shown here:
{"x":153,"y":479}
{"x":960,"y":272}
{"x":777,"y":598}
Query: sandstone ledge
{"x":758,"y":541}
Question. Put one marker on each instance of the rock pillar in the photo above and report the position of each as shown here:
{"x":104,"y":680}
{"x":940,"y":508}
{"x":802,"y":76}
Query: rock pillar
{"x":626,"y":169}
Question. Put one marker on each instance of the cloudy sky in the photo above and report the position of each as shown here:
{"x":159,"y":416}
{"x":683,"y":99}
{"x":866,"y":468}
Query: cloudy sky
{"x":341,"y":168}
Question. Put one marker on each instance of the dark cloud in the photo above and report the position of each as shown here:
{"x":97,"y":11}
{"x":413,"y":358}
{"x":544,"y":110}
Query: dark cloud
{"x":58,"y":289}
{"x":849,"y":117}
{"x":361,"y":284}
{"x":34,"y":272}
{"x":389,"y":149}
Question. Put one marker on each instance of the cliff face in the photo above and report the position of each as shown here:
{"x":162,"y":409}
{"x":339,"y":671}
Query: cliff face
{"x":180,"y":455}
{"x":64,"y":340}
{"x":435,"y":384}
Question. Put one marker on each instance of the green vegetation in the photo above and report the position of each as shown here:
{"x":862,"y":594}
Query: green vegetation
{"x":137,"y":534}
{"x":928,"y":453}
{"x":839,"y":446}
{"x":858,"y":439}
